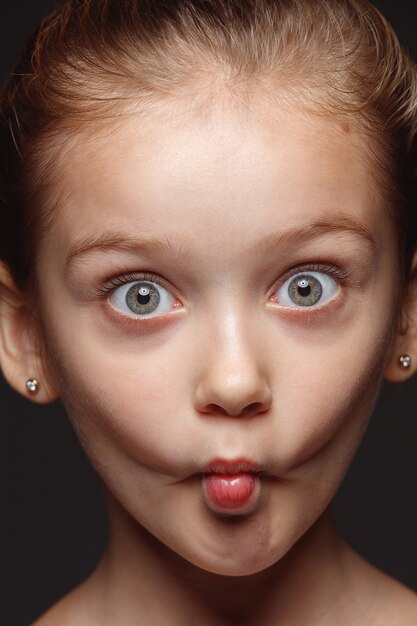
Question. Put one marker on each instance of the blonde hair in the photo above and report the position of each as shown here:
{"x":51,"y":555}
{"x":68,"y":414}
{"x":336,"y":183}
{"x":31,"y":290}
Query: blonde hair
{"x":92,"y":60}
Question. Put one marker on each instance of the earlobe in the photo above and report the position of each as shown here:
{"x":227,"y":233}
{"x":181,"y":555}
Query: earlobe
{"x":21,"y":357}
{"x":402,"y":363}
{"x":400,"y":368}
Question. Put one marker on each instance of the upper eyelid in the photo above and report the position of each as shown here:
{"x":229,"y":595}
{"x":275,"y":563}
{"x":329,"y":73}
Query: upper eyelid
{"x":323,"y":268}
{"x":319,"y":267}
{"x":107,"y":286}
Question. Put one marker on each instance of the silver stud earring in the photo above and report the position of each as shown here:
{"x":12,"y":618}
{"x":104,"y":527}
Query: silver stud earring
{"x":405,"y":361}
{"x":32,"y":385}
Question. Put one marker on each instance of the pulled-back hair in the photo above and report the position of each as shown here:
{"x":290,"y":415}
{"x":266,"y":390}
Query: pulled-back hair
{"x":92,"y":61}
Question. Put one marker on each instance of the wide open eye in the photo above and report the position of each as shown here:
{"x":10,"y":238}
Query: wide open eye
{"x":142,"y":299}
{"x":307,"y":289}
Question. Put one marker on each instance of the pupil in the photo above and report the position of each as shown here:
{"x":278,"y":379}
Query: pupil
{"x":304,"y":288}
{"x":143,"y":297}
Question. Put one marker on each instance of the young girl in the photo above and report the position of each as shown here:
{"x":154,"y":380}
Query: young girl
{"x":207,"y":243}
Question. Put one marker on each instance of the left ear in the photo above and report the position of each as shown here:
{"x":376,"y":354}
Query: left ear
{"x":399,"y":368}
{"x":22,"y":352}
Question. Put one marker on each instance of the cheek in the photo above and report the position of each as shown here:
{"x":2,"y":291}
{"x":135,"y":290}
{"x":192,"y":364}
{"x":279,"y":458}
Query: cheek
{"x":123,"y":403}
{"x":329,"y":391}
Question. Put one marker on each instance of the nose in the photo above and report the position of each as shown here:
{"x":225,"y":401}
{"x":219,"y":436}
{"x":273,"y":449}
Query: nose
{"x":232,"y":381}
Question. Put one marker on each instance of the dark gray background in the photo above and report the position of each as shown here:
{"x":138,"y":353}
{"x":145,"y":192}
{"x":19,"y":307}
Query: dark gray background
{"x":52,"y":523}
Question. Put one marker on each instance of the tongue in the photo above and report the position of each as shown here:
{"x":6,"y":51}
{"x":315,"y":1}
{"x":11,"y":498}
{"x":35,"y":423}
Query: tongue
{"x":227,"y":492}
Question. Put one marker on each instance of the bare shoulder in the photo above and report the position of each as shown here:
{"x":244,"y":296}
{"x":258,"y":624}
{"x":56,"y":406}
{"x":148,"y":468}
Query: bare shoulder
{"x":399,"y":607}
{"x":72,"y":610}
{"x":56,"y":615}
{"x":382,"y":600}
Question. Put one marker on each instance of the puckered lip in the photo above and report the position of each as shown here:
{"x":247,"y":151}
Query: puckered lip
{"x":231,"y":467}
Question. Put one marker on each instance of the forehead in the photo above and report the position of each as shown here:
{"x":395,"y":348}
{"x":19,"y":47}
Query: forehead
{"x":241,"y":170}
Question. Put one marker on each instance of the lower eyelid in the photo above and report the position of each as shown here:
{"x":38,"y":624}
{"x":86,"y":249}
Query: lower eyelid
{"x":307,"y":314}
{"x":142,"y":325}
{"x":176,"y":305}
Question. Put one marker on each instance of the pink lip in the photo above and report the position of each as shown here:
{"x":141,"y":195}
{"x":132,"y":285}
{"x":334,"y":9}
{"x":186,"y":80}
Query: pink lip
{"x":230,"y":467}
{"x":231,"y":487}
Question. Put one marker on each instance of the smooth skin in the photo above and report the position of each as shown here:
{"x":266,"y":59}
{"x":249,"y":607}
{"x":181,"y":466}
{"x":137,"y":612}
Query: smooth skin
{"x":218,"y":212}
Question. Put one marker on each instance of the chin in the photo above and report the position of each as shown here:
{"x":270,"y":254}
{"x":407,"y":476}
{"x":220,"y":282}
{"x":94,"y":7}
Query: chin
{"x":242,"y":562}
{"x":239,"y":568}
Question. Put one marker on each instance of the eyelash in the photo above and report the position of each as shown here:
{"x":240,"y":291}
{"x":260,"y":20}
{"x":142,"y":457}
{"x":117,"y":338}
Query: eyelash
{"x":324,"y":268}
{"x":106,"y":287}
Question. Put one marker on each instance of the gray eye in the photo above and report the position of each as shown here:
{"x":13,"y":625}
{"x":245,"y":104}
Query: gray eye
{"x":141,"y":299}
{"x":307,"y":290}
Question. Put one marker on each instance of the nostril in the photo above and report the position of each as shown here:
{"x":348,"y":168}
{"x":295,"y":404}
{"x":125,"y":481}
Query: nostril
{"x":252,"y":409}
{"x":215,"y":409}
{"x":255,"y":408}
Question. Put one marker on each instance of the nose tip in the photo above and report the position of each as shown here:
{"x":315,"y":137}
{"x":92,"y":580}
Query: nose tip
{"x":234,"y":396}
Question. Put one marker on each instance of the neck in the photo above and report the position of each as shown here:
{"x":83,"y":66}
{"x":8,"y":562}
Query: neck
{"x":139,"y":576}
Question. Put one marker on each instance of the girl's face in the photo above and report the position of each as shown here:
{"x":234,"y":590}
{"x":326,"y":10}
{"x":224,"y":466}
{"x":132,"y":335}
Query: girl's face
{"x":217,"y":296}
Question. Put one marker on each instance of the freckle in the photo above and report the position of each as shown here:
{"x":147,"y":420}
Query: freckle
{"x":346,"y":128}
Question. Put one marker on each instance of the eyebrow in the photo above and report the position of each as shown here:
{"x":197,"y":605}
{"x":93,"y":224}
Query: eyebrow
{"x":115,"y":242}
{"x":120,"y":242}
{"x":339,"y":224}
